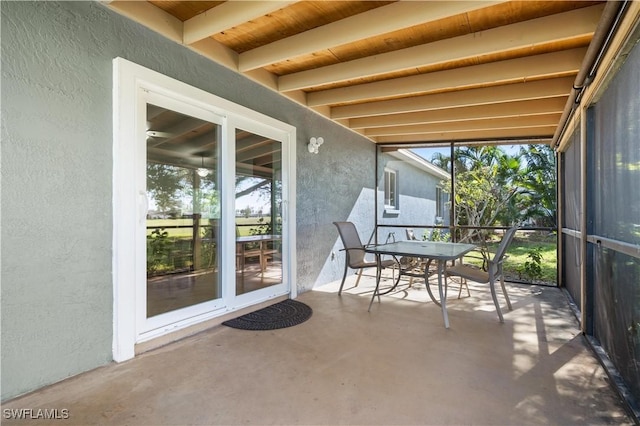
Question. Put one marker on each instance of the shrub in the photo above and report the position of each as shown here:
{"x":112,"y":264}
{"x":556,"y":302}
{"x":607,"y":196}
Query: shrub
{"x":532,"y":268}
{"x":158,"y":250}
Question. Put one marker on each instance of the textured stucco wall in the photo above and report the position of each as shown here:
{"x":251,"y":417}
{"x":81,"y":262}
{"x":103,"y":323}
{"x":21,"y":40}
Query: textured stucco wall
{"x":56,"y":162}
{"x":417,"y":198}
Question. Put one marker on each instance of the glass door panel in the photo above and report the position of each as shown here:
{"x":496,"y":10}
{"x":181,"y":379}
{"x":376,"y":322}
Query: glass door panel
{"x":258,"y":209}
{"x":183,"y":211}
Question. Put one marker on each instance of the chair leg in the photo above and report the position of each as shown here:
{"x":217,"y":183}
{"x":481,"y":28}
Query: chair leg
{"x":504,"y":291}
{"x":344,"y":277}
{"x":359,"y":276}
{"x":463,"y":282}
{"x":495,"y":299}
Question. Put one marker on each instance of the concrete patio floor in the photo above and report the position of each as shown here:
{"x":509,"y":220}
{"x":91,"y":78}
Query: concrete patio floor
{"x":394,"y":365}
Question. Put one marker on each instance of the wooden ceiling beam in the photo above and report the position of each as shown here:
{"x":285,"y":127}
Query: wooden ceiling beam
{"x":472,"y":135}
{"x":254,"y":169}
{"x":260,"y":151}
{"x":470,"y":125}
{"x":377,"y":21}
{"x":227,"y":15}
{"x":179,"y":130}
{"x":554,"y":28}
{"x":556,"y":87}
{"x":151,"y":17}
{"x":501,"y":110}
{"x":561,"y":63}
{"x":211,"y":49}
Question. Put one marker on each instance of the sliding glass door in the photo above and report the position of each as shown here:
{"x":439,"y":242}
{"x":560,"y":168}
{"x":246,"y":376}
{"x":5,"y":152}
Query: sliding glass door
{"x":258,"y":210}
{"x":183,"y":219}
{"x":203,"y":207}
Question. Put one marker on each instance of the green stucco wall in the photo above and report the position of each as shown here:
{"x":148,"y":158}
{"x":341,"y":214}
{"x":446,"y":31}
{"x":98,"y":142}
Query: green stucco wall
{"x":56,"y":165}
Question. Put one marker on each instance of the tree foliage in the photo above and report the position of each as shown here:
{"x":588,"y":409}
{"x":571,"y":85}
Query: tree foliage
{"x":171,"y":186}
{"x":539,"y":184}
{"x":168,"y":186}
{"x":164,"y":184}
{"x":494,"y":188}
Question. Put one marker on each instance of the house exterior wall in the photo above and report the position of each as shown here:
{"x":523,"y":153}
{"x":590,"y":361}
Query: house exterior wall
{"x":56,"y":222}
{"x":417,"y":198}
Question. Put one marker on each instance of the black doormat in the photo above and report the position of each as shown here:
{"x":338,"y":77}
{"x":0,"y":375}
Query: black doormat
{"x":281,"y":315}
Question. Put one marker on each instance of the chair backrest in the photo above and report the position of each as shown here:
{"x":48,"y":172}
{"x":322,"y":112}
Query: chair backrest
{"x":351,"y":241}
{"x":410,"y":234}
{"x":504,"y":244}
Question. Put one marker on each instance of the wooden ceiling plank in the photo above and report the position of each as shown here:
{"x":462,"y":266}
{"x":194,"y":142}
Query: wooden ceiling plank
{"x":184,"y":127}
{"x":227,"y":15}
{"x":556,"y":87}
{"x":199,"y":147}
{"x":499,"y":110}
{"x":265,"y":171}
{"x":487,"y":124}
{"x":549,"y":64}
{"x":534,"y":132}
{"x":258,"y":152}
{"x":563,"y":26}
{"x":268,"y":160}
{"x":151,"y":17}
{"x":368,"y":24}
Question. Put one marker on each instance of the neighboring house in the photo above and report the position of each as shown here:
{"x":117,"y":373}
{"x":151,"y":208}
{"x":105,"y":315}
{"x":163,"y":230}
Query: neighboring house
{"x":410,"y":193}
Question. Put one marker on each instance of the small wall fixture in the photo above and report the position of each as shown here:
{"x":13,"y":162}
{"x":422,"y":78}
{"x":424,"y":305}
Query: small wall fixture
{"x":314,"y":144}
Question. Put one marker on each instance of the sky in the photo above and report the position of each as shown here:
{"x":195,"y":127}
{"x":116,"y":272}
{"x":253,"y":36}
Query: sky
{"x":427,"y":153}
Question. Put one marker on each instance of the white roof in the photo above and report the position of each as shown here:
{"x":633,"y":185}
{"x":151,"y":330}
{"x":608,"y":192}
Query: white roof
{"x":420,"y":163}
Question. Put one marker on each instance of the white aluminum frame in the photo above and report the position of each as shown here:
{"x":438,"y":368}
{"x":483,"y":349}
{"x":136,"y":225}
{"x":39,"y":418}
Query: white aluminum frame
{"x":132,"y":86}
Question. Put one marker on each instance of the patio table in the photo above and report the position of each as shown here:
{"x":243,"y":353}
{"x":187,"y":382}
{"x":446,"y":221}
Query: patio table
{"x":439,"y":251}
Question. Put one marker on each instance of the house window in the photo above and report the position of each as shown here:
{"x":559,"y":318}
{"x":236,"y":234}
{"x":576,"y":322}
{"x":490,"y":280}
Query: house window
{"x":390,"y":190}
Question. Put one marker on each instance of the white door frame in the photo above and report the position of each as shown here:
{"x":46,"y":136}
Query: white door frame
{"x":131,"y":83}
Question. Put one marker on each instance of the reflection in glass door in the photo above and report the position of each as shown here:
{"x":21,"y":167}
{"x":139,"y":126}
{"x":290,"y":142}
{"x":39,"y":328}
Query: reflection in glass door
{"x":183,"y":211}
{"x":258,"y":209}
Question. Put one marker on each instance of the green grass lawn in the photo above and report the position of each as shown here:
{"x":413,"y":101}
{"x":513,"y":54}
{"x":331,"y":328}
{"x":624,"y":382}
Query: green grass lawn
{"x":517,"y":255}
{"x":174,"y":251}
{"x":185,"y":229}
{"x":244,"y":230}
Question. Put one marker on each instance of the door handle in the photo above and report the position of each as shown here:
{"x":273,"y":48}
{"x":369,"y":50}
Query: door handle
{"x":145,"y":206}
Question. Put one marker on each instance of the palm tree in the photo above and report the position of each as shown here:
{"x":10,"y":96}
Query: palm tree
{"x":441,"y":160}
{"x":493,"y":187}
{"x":539,"y":184}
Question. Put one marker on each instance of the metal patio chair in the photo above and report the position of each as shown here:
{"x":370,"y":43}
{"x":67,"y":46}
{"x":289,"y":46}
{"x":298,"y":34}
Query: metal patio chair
{"x":354,"y":251}
{"x":493,"y":273}
{"x":419,"y":265}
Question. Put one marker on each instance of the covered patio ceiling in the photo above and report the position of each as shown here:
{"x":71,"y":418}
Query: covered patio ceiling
{"x":423,"y":72}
